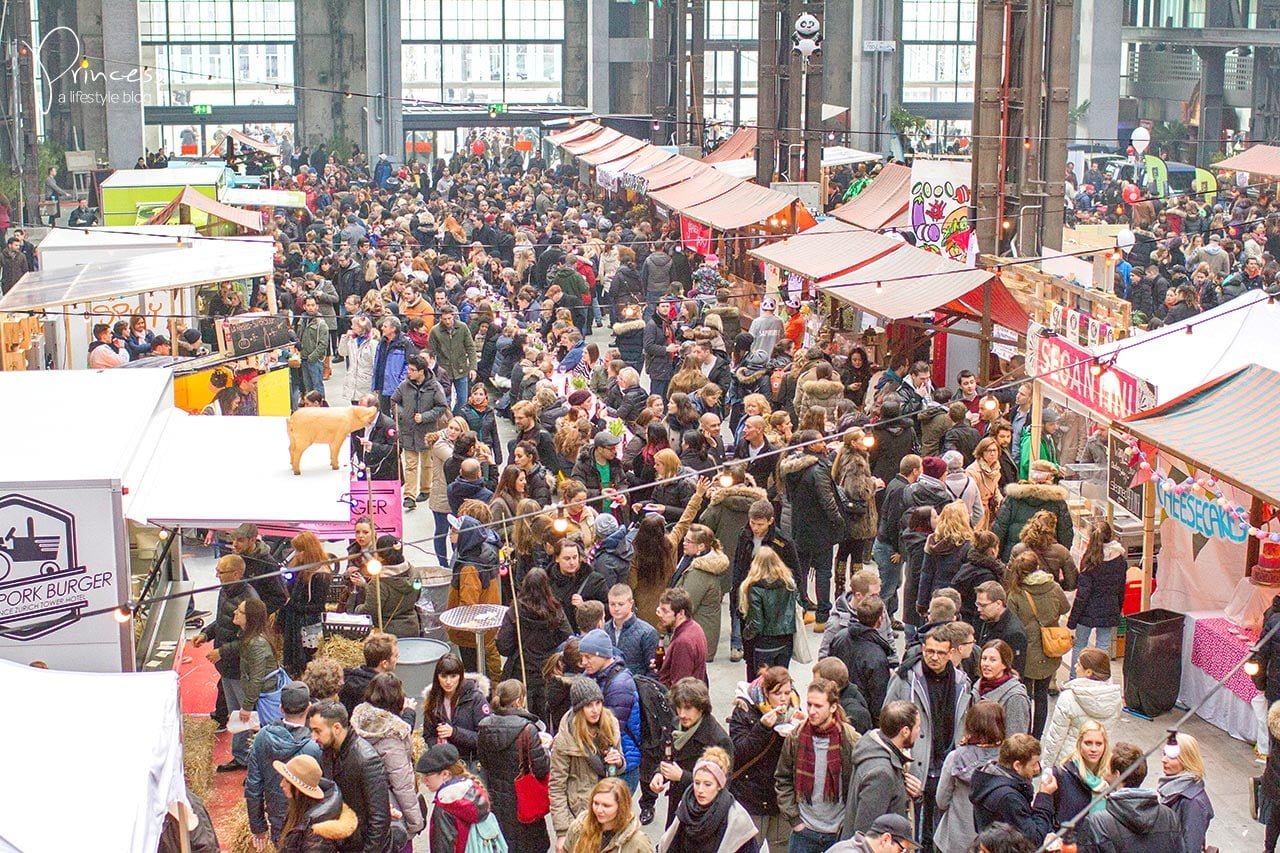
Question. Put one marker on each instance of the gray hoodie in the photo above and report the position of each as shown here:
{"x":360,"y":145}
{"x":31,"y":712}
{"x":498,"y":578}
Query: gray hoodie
{"x":955,"y":830}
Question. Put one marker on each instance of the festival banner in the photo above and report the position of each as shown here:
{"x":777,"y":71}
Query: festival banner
{"x":939,"y":214}
{"x":1072,"y":371}
{"x":695,"y":236}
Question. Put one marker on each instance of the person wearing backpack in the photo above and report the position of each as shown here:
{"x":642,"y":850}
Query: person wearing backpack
{"x":461,"y":819}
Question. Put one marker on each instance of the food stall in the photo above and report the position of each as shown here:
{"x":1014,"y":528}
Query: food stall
{"x":108,"y":472}
{"x":883,"y":204}
{"x":170,"y":286}
{"x":213,"y":218}
{"x":132,"y":196}
{"x":1217,"y":487}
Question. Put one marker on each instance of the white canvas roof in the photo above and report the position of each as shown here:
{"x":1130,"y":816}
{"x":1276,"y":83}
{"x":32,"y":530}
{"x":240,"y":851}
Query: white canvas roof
{"x":247,"y":197}
{"x":78,"y":425}
{"x":185,"y":484}
{"x":117,"y":235}
{"x":1224,"y":339}
{"x":122,"y":779}
{"x":197,"y":262}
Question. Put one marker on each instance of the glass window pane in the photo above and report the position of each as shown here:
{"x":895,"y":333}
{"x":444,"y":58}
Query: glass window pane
{"x":420,"y":20}
{"x":199,"y":20}
{"x":420,"y":69}
{"x":264,"y":20}
{"x":534,"y":73}
{"x":473,"y":73}
{"x":268,"y":71}
{"x":196,"y":73}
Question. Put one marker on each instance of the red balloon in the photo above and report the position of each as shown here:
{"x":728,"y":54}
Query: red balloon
{"x":1132,"y":194}
{"x":477,"y":148}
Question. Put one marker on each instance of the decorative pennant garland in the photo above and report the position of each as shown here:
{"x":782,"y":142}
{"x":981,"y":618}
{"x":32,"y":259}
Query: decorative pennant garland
{"x":1209,"y":485}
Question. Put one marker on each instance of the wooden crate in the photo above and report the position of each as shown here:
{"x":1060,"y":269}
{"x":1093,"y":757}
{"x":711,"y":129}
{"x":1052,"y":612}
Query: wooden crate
{"x":17,"y":335}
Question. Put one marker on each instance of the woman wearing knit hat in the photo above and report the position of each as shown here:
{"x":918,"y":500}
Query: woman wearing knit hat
{"x":709,"y":818}
{"x":317,"y":820}
{"x":586,"y":749}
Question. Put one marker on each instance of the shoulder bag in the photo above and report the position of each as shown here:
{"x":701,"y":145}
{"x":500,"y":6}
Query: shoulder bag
{"x":1055,"y":641}
{"x":533,"y":795}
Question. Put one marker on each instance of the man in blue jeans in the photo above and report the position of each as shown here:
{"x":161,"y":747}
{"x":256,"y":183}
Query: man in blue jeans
{"x":814,"y":772}
{"x":885,"y":550}
{"x":225,"y":655}
{"x":313,"y":345}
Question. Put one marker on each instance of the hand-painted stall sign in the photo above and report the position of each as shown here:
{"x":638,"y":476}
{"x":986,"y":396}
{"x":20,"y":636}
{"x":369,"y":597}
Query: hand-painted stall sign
{"x":1203,"y":516}
{"x":1071,"y":370}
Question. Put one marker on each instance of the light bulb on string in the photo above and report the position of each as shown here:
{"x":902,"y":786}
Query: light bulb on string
{"x":1171,"y":747}
{"x":123,"y":613}
{"x":990,"y":403}
{"x":868,"y":440}
{"x":560,"y":524}
{"x":374,"y":567}
{"x":726,"y":480}
{"x":1252,"y":667}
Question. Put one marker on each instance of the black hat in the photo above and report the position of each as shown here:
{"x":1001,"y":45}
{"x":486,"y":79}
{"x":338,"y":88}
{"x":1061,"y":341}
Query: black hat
{"x":440,"y":756}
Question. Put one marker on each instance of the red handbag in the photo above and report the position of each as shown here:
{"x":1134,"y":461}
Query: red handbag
{"x":533,"y":795}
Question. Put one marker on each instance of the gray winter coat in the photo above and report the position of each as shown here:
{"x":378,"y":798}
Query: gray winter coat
{"x":656,"y":274}
{"x":1012,"y":696}
{"x":391,"y":736}
{"x":426,"y":399}
{"x":955,"y":830}
{"x":908,"y":685}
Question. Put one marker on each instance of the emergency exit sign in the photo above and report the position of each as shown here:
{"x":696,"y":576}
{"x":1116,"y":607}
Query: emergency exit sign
{"x":202,"y":109}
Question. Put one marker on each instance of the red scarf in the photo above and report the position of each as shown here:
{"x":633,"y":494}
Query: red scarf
{"x":986,"y":685}
{"x":806,"y":759}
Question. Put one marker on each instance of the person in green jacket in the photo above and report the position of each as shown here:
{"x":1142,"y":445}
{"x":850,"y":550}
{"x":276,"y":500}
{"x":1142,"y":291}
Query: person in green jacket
{"x":577,"y":293}
{"x":1048,"y":449}
{"x":258,"y":659}
{"x":767,"y":601}
{"x":455,"y":351}
{"x":313,"y":345}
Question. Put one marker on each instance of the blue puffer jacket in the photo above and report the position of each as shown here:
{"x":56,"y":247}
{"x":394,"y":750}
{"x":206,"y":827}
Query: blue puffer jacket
{"x":622,"y":698}
{"x":637,"y":642}
{"x":276,"y":742}
{"x":390,"y":363}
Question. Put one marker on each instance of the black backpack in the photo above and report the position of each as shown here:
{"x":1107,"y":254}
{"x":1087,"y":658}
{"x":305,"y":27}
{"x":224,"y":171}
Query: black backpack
{"x":657,"y":717}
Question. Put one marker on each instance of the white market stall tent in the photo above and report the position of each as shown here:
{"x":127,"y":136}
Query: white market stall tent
{"x":1222,"y":340}
{"x":101,"y":457}
{"x":108,"y":790}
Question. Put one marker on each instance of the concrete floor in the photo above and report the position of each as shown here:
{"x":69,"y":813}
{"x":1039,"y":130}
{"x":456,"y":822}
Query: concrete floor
{"x":1230,"y":763}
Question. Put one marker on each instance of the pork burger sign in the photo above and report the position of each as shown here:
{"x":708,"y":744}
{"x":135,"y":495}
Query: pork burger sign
{"x":58,"y":560}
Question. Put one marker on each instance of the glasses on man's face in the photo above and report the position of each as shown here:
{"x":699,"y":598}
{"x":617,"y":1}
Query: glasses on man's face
{"x":936,"y":653}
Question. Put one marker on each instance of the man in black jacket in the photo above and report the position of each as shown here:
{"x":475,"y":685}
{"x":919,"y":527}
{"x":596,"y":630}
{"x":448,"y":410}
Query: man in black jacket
{"x":894,"y":440}
{"x":865,"y":652}
{"x":418,"y":403}
{"x":633,"y":396}
{"x":374,"y":446}
{"x":816,"y":520}
{"x":886,"y":550}
{"x":356,"y":768}
{"x":257,"y":562}
{"x":756,"y":451}
{"x":660,"y":349}
{"x":225,"y":656}
{"x":598,"y":462}
{"x":997,"y":622}
{"x":525,"y":415}
{"x":1134,"y":820}
{"x":1001,"y":791}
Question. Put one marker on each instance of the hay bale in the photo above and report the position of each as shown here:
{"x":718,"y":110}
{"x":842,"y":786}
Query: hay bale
{"x":347,"y":652}
{"x":198,"y":734}
{"x":235,"y":836}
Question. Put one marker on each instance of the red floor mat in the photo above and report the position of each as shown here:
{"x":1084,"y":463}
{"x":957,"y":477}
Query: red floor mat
{"x":198,"y":680}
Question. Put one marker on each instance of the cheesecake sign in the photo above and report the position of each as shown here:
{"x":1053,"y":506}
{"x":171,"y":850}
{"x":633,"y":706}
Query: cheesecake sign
{"x":44,"y":584}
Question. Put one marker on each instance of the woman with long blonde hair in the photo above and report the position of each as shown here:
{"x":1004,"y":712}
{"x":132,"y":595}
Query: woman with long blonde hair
{"x":945,"y":551}
{"x":587,"y":748}
{"x":308,"y":594}
{"x":1084,"y":772}
{"x":767,"y":602}
{"x":1181,"y":788}
{"x":610,"y":812}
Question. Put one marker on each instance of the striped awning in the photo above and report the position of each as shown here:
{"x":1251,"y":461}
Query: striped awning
{"x":1225,"y":428}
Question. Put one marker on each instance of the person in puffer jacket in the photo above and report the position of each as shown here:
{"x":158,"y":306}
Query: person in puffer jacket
{"x":628,"y":336}
{"x":1092,"y":696}
{"x":611,"y":555}
{"x":460,"y":799}
{"x":620,"y":695}
{"x":280,"y":741}
{"x":378,"y":721}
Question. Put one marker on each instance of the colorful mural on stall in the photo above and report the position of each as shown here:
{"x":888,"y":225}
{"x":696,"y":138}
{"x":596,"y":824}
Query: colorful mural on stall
{"x":939,"y":214}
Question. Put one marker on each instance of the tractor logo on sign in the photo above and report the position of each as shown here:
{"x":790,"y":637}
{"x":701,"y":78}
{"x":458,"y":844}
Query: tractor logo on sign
{"x":42,"y":586}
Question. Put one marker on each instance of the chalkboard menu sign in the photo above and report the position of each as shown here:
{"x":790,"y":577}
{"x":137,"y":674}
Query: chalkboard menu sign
{"x":1120,"y":475}
{"x":249,"y":334}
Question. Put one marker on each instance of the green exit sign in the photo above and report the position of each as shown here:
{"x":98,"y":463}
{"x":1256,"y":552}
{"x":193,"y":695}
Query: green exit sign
{"x":202,"y":109}
{"x":497,"y":109}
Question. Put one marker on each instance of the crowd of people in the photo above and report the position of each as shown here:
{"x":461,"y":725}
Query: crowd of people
{"x":1190,"y":252}
{"x":767,"y":470}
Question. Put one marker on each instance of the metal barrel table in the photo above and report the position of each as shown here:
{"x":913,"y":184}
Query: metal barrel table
{"x":476,"y":618}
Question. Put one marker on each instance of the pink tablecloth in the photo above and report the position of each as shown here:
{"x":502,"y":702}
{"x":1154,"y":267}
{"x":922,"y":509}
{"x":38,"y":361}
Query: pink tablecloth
{"x":1215,"y":649}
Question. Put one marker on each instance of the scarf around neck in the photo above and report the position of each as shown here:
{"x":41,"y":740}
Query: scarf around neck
{"x":702,"y":827}
{"x":682,"y":736}
{"x":986,"y":685}
{"x":806,"y":761}
{"x":1095,"y":784}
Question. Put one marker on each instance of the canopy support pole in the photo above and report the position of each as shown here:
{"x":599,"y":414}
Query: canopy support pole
{"x":984,"y":340}
{"x":1037,"y":416}
{"x":1148,"y":540}
{"x":1252,"y":544}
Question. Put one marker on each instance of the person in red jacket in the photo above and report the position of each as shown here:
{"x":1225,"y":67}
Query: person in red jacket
{"x":795,"y":324}
{"x":685,"y":655}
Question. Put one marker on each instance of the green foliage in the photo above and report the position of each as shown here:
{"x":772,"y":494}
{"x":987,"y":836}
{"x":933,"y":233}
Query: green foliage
{"x":52,"y":154}
{"x":8,"y":184}
{"x":341,"y":145}
{"x":906,"y":122}
{"x":1168,"y":133}
{"x":1077,"y":113}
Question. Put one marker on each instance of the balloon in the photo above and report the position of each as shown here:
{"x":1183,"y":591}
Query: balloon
{"x":1132,"y":194}
{"x":1125,"y":240}
{"x":1140,"y":139}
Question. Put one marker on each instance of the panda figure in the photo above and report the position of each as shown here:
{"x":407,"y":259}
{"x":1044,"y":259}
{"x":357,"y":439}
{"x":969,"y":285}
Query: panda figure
{"x":807,"y":40}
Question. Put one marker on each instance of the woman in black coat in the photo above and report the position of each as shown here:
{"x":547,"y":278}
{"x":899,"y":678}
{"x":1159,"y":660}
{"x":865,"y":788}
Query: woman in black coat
{"x":980,"y":565}
{"x":543,"y":627}
{"x":509,"y":745}
{"x":1099,"y":592}
{"x":756,"y":743}
{"x":628,"y":337}
{"x":308,"y":594}
{"x":455,"y":707}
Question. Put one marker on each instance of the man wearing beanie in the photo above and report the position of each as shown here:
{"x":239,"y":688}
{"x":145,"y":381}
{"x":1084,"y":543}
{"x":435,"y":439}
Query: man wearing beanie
{"x":279,"y":741}
{"x":611,"y":554}
{"x":618,"y":688}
